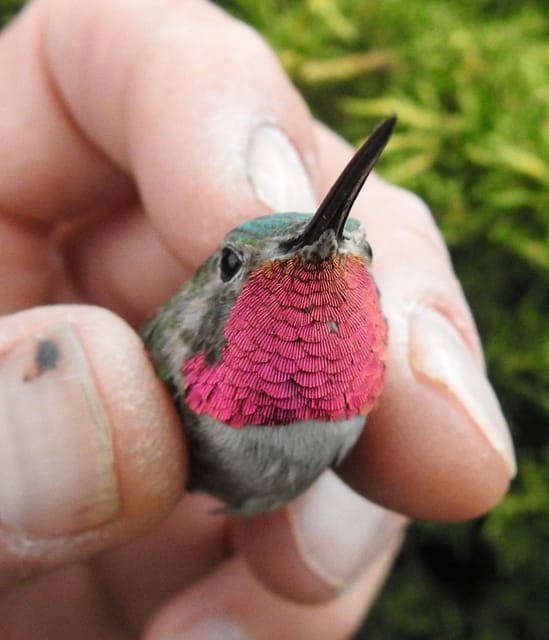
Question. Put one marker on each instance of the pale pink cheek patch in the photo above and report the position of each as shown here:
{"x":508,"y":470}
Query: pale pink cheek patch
{"x":303,"y":341}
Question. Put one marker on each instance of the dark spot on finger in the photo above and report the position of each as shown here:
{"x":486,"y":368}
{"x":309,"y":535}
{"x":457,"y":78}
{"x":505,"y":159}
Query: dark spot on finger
{"x":47,"y":356}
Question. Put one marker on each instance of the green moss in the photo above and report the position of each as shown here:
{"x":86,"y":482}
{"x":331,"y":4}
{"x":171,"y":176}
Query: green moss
{"x":470,"y":84}
{"x":8,"y":8}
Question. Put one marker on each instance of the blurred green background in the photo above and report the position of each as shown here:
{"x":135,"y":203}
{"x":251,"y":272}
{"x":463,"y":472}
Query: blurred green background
{"x":470,"y":84}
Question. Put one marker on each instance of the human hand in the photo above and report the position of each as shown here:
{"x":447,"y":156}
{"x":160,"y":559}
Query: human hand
{"x":134,"y":135}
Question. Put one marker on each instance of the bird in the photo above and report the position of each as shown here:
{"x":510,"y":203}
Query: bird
{"x":274,"y":351}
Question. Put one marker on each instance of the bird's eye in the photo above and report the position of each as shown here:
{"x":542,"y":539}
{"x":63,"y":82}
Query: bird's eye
{"x":368,"y":251}
{"x":229,"y":265}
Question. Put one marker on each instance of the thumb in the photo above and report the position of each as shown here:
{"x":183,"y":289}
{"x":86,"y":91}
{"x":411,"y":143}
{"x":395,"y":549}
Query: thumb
{"x":90,"y":448}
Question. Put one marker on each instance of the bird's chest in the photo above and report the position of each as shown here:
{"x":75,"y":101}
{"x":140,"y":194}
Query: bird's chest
{"x":303,"y":342}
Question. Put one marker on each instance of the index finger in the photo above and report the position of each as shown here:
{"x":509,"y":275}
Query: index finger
{"x":168,"y":123}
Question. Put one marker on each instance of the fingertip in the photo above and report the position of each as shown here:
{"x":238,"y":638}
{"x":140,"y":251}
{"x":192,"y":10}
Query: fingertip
{"x":271,"y":550}
{"x":91,"y":449}
{"x":438,"y":446}
{"x":147,"y":432}
{"x":421,"y":455}
{"x":317,"y":546}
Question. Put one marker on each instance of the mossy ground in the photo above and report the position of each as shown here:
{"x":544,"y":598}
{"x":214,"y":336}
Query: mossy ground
{"x":470,"y":84}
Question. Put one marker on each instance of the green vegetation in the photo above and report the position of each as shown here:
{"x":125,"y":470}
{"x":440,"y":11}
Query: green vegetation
{"x":8,"y":9}
{"x":470,"y":84}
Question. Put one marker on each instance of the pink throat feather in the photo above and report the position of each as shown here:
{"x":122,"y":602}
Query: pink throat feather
{"x":304,"y":341}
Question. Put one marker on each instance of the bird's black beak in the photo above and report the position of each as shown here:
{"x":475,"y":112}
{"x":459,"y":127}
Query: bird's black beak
{"x":334,"y":209}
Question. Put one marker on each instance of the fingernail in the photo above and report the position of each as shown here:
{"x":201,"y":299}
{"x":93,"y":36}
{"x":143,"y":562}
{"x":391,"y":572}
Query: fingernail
{"x":339,"y":533}
{"x":439,"y":354}
{"x":57,"y":473}
{"x":276,"y":172}
{"x":213,"y":629}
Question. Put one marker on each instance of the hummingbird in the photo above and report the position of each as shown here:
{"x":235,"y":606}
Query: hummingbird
{"x":274,"y":352}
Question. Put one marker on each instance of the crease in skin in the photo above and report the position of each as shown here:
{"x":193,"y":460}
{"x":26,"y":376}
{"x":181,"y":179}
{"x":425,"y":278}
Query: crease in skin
{"x":59,"y":99}
{"x":24,"y":262}
{"x":36,"y":554}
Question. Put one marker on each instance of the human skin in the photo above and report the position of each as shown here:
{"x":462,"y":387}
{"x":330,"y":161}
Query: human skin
{"x":134,"y":135}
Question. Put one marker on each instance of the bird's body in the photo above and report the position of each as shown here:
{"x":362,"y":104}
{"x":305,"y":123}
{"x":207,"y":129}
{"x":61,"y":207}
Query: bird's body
{"x":274,"y":353}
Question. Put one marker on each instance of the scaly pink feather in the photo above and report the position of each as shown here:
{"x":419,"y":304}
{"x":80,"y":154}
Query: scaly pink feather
{"x":304,"y":341}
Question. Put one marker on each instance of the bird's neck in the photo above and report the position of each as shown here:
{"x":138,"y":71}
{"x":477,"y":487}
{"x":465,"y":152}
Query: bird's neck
{"x":304,"y":341}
